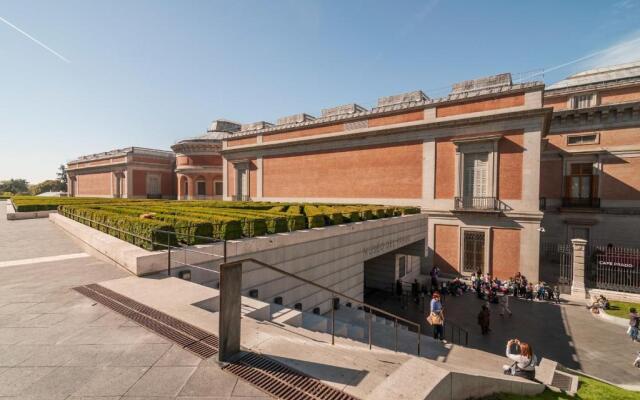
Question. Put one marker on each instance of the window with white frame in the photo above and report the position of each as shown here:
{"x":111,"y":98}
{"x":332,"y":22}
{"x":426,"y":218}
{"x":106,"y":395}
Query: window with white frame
{"x":475,"y":177}
{"x":153,"y":184}
{"x":583,"y":100}
{"x":591,"y":138}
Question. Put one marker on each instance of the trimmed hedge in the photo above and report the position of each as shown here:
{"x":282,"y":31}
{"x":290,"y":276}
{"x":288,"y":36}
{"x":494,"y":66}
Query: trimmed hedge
{"x":193,"y":221}
{"x":140,"y":232}
{"x":315,"y":217}
{"x":187,"y":226}
{"x":188,"y":230}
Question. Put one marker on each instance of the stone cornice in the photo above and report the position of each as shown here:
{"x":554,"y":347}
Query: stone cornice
{"x":193,"y":169}
{"x":599,"y":117}
{"x":395,"y":128}
{"x":453,"y":98}
{"x":591,"y":87}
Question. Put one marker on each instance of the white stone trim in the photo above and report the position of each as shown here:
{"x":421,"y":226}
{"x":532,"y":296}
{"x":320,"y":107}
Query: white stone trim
{"x":428,"y":172}
{"x":259,"y":177}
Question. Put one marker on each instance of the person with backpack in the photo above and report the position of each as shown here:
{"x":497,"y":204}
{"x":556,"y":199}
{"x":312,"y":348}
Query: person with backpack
{"x":634,"y":324}
{"x":524,"y":361}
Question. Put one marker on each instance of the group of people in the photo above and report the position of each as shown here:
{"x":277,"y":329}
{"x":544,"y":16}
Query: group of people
{"x":489,"y":289}
{"x":598,"y":303}
{"x":524,"y":361}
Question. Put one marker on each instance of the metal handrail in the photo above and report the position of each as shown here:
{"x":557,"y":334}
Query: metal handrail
{"x":167,"y":245}
{"x":335,"y":293}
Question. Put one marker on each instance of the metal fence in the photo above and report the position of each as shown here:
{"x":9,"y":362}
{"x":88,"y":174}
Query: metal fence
{"x":613,"y":268}
{"x":556,"y":264}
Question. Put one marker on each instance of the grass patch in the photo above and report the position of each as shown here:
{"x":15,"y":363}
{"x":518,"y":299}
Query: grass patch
{"x":621,"y":308}
{"x":588,"y":389}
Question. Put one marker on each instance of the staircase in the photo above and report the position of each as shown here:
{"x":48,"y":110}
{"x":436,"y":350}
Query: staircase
{"x":300,"y":341}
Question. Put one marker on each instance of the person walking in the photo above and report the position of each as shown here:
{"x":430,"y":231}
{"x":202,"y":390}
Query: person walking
{"x":436,"y":317}
{"x":504,"y":303}
{"x":435,"y":284}
{"x":484,"y":319}
{"x":634,"y":324}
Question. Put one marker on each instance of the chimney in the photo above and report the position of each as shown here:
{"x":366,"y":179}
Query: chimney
{"x":223,"y":125}
{"x":408,"y":97}
{"x":351,"y":108}
{"x":482,"y":83}
{"x":294,"y":119}
{"x":256,"y":125}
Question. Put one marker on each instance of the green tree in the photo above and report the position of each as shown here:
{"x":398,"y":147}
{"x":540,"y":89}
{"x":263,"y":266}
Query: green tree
{"x":14,"y":186}
{"x":62,"y":177}
{"x":50,"y":185}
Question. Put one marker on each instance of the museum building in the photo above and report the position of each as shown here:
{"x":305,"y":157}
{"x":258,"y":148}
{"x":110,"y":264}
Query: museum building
{"x":498,"y":166}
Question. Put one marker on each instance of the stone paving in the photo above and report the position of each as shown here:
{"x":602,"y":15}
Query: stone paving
{"x":57,"y":344}
{"x":566,"y":333}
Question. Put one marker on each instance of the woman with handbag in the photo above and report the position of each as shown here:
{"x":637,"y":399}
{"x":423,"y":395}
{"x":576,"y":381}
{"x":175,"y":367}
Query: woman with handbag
{"x":436,"y":317}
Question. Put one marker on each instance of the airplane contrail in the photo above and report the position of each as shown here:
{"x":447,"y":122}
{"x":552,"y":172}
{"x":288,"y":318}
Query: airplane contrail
{"x":44,"y":46}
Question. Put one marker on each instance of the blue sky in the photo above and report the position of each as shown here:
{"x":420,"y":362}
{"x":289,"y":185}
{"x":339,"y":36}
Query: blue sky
{"x":148,"y":73}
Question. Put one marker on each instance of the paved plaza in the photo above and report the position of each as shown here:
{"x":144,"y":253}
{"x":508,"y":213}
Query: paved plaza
{"x":566,"y":333}
{"x":58,"y":344}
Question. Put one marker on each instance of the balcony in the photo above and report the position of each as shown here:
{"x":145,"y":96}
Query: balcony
{"x":477,"y":204}
{"x":581,"y":202}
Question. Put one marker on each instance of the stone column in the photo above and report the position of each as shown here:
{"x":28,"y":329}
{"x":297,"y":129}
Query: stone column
{"x":578,"y":281}
{"x":229,"y":316}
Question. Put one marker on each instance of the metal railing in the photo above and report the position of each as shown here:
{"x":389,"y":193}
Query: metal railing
{"x":613,"y":268}
{"x":477,"y":203}
{"x":579,"y":202}
{"x":335,"y":294}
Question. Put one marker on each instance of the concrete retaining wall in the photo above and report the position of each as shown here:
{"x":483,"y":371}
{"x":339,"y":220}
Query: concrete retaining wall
{"x":332,"y":256}
{"x":13,"y":215}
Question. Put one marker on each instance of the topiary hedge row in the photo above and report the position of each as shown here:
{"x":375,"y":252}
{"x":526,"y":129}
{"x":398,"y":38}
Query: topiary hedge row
{"x":195,"y":221}
{"x":145,"y":233}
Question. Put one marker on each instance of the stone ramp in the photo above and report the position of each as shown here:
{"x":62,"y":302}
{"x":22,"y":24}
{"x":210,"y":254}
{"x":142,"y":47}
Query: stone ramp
{"x":443,"y":371}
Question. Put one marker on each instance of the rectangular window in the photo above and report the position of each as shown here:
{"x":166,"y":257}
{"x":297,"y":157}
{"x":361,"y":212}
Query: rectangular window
{"x":582,"y":139}
{"x":475,"y":174}
{"x":583,"y":101}
{"x":218,"y":188}
{"x":201,"y":188}
{"x":153,"y":185}
{"x":581,"y":181}
{"x":473,"y":251}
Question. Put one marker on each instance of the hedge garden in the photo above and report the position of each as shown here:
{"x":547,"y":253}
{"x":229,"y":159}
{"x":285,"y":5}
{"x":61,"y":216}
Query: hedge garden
{"x":150,"y":223}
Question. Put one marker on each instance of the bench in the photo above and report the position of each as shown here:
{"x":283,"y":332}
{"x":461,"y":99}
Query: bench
{"x":547,"y":373}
